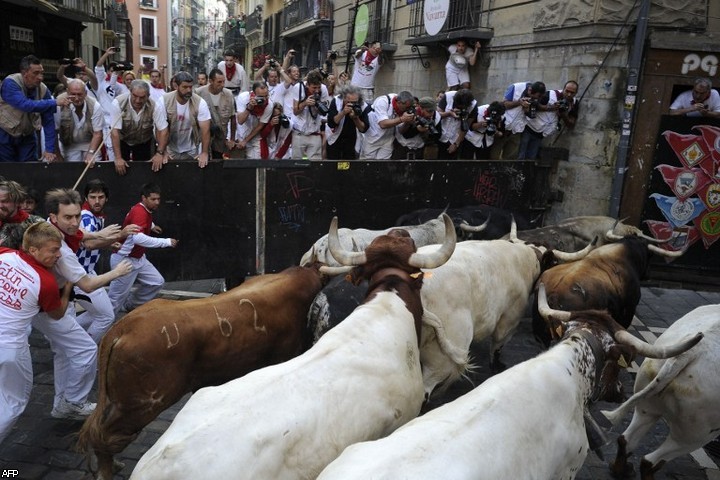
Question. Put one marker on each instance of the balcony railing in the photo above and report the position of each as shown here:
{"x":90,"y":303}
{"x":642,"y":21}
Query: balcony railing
{"x":92,"y":8}
{"x":463,"y":15}
{"x":253,"y":23}
{"x":300,"y":11}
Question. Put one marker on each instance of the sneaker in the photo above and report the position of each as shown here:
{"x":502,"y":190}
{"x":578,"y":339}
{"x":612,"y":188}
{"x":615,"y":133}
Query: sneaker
{"x":72,"y":411}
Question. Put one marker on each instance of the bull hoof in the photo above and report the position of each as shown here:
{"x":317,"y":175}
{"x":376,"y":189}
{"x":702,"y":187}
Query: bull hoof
{"x":647,"y":469}
{"x":619,"y":469}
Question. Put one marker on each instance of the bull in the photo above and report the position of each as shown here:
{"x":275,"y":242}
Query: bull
{"x":683,"y":391}
{"x":607,"y":279}
{"x":526,"y":422}
{"x":159,"y":352}
{"x":360,"y":381}
{"x":574,"y":233}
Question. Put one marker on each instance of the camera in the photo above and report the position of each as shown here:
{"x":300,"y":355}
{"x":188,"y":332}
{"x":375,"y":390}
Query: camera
{"x":273,"y":63}
{"x":532,"y":111}
{"x":260,"y":101}
{"x":492,"y":122}
{"x":322,"y":108}
{"x":357,"y":109}
{"x":426,"y":123}
{"x":65,"y":61}
{"x":124,"y":66}
{"x":284,"y":121}
{"x":333,"y":55}
{"x":563,"y":105}
{"x":464,"y":120}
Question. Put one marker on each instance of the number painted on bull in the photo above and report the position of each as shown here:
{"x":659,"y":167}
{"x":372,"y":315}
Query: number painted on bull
{"x":486,"y":189}
{"x":167,"y":335}
{"x":224,"y":324}
{"x":692,"y":61}
{"x":257,"y":327}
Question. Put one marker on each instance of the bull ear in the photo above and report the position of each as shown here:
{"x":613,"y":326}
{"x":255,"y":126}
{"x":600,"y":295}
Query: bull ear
{"x":442,"y":255}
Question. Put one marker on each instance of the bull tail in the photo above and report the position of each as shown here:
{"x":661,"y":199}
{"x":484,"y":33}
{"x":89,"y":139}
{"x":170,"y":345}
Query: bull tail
{"x":670,"y":369}
{"x":459,"y":356}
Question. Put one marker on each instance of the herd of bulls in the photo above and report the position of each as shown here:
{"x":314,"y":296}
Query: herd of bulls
{"x":321,"y":370}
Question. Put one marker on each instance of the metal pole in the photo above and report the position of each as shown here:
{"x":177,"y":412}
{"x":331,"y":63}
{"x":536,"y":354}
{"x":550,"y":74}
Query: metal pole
{"x":351,"y":37}
{"x":629,"y":109}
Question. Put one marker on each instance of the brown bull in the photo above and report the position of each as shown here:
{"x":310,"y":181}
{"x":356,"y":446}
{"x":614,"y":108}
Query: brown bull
{"x":608,"y":278}
{"x":161,"y":351}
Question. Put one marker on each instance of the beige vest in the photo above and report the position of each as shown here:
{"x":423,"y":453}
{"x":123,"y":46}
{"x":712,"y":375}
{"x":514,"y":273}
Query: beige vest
{"x":16,"y":122}
{"x":170,"y":100}
{"x":221,"y":115}
{"x":67,"y":122}
{"x":132,"y":133}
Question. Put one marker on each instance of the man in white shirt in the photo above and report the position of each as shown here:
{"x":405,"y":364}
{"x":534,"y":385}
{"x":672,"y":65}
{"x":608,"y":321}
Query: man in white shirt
{"x":254,"y":112}
{"x":309,"y":108}
{"x":701,"y":101}
{"x":108,"y":88}
{"x":157,"y":85}
{"x":235,"y":77}
{"x":188,"y":119}
{"x":367,"y":64}
{"x":79,"y":126}
{"x":457,"y":71}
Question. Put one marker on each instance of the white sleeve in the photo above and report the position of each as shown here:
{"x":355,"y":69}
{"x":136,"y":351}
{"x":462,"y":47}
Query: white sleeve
{"x":159,"y":116}
{"x":150,"y":242}
{"x":98,"y":118}
{"x":203,"y":111}
{"x":115,"y":114}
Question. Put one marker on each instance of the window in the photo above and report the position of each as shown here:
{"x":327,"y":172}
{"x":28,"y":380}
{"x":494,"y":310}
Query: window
{"x":148,"y":4}
{"x":148,"y":29}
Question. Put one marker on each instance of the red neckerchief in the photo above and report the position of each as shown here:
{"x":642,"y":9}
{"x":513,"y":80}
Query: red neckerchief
{"x":230,"y":70}
{"x":369,"y":58}
{"x":86,"y":206}
{"x":19,"y":216}
{"x":72,"y":241}
{"x":395,"y":107}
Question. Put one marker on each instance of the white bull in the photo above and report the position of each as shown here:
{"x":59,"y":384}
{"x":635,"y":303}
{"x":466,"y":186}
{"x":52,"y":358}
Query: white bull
{"x":482,"y":291}
{"x":526,"y":422}
{"x":683,"y":391}
{"x":360,"y":381}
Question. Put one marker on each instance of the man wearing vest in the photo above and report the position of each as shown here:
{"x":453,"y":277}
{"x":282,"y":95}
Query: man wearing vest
{"x":221,"y":103}
{"x":188,"y":118}
{"x":79,"y":125}
{"x":149,"y":280}
{"x":346,"y":119}
{"x":136,"y":122}
{"x":518,"y":99}
{"x":458,"y":110}
{"x":308,"y":111}
{"x":389,"y":111}
{"x":26,"y":106}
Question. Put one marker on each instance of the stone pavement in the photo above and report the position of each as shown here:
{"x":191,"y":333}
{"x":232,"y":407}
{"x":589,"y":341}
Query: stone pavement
{"x":41,"y":448}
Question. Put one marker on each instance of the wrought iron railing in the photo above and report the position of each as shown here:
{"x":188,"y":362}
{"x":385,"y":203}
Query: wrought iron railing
{"x":300,"y":11}
{"x":462,"y":15}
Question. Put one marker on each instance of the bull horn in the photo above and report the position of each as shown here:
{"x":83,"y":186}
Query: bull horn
{"x":334,"y":271}
{"x":466,"y":227}
{"x":611,"y":235}
{"x":656,"y":351}
{"x":545,"y":310}
{"x":574,"y":256}
{"x":513,"y":231}
{"x":338,"y":252}
{"x":437,"y":258}
{"x":665,"y":253}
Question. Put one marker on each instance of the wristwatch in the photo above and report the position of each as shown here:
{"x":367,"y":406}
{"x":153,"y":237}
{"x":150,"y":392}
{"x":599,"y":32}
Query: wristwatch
{"x":161,"y":152}
{"x":91,"y":152}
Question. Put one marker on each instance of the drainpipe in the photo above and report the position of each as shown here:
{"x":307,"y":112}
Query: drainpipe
{"x":629,"y":108}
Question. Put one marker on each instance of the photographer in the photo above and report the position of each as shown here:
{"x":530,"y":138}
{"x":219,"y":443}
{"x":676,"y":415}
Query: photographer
{"x":517,"y":103}
{"x":388,"y":112}
{"x":105,"y":93}
{"x":76,"y":68}
{"x":411,"y":138}
{"x":567,"y":106}
{"x":221,"y":104}
{"x":275,"y":137}
{"x":342,"y":135}
{"x":540,"y":121}
{"x":458,"y":109}
{"x":701,"y":101}
{"x":309,"y":108}
{"x":488,"y":126}
{"x":254,"y":112}
{"x":270,"y":74}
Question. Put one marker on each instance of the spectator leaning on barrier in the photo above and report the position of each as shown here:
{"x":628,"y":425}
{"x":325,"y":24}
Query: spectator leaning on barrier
{"x":26,"y":106}
{"x":254,"y":111}
{"x":276,"y":136}
{"x":137,"y":121}
{"x":411,"y":138}
{"x":701,"y":101}
{"x":488,"y":126}
{"x":518,"y":100}
{"x":80,"y":125}
{"x":309,"y":107}
{"x":347,"y":118}
{"x":221,"y":104}
{"x":188,"y":118}
{"x":458,"y":110}
{"x":388,"y":112}
{"x":567,"y":106}
{"x":540,"y":122}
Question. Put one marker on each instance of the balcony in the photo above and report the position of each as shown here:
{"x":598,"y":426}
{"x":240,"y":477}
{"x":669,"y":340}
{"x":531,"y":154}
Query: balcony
{"x":464,"y":20}
{"x":235,"y":37}
{"x":253,"y":24}
{"x":77,"y":10}
{"x":303,"y":15}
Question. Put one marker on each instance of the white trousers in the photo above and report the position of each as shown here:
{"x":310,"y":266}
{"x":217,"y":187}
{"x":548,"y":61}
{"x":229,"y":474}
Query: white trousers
{"x":75,"y":355}
{"x":16,"y":381}
{"x":144,"y":274}
{"x":306,"y":146}
{"x":99,"y":314}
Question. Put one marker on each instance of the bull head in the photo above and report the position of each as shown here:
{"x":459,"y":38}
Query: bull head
{"x":417,"y":260}
{"x":620,"y":335}
{"x":559,"y":254}
{"x":660,"y":251}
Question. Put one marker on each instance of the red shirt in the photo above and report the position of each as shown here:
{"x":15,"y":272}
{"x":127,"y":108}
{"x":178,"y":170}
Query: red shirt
{"x":140,"y":216}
